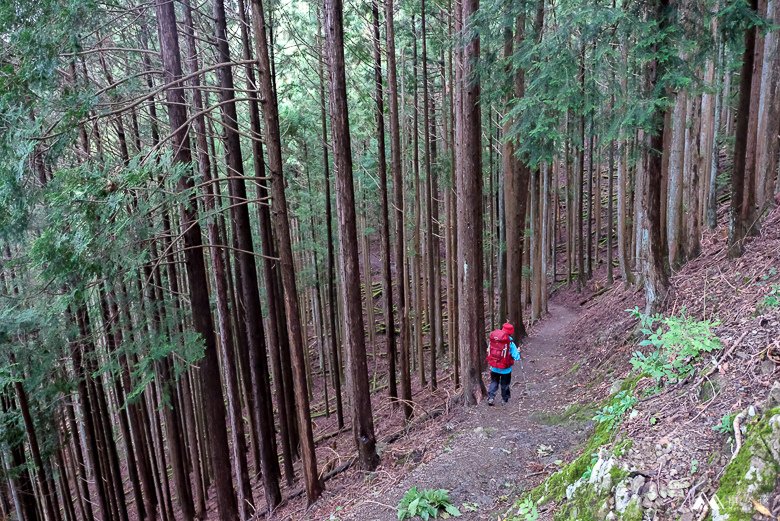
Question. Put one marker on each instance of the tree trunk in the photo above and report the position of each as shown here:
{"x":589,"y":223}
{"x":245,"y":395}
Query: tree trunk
{"x":470,"y":269}
{"x":196,"y":269}
{"x":46,"y":499}
{"x":387,"y":281}
{"x":655,"y":277}
{"x":740,"y":211}
{"x":398,"y":202}
{"x":720,"y":95}
{"x":749,"y":209}
{"x":249,"y":283}
{"x":674,"y":207}
{"x":769,"y":114}
{"x":362,"y":416}
{"x":516,"y":179}
{"x":282,"y":227}
{"x":432,"y":243}
{"x":610,"y":210}
{"x":331,"y":269}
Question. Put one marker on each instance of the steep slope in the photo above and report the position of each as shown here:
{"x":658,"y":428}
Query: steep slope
{"x":665,"y":447}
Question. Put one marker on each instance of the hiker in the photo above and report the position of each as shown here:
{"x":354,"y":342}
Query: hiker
{"x":501,"y":355}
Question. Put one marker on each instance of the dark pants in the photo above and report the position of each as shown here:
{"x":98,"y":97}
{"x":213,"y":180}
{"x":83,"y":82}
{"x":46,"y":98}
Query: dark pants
{"x":504,"y":380}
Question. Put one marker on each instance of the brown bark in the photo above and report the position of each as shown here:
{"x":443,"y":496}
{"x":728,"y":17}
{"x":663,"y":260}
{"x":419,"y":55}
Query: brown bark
{"x":362,"y":416}
{"x":47,"y":501}
{"x":516,"y":179}
{"x":469,"y":187}
{"x":740,"y":209}
{"x":398,"y":202}
{"x":769,"y":114}
{"x":676,"y":172}
{"x":331,"y":268}
{"x":281,"y":223}
{"x":249,"y":284}
{"x":655,"y":276}
{"x":196,"y":269}
{"x":387,"y":282}
{"x":431,"y":243}
{"x":749,"y":209}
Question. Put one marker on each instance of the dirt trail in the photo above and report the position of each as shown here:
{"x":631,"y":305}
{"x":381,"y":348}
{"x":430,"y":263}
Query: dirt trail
{"x":495,"y":452}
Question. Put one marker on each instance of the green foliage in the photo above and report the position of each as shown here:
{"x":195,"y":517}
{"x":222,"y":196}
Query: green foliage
{"x":613,"y":412}
{"x":771,"y":300}
{"x":726,"y":425}
{"x":527,"y":510}
{"x":426,"y":504}
{"x":678,"y":342}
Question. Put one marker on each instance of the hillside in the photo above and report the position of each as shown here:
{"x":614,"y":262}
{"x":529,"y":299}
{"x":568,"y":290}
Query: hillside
{"x":704,"y":444}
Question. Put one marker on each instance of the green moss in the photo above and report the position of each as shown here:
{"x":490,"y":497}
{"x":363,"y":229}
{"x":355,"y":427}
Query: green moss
{"x":588,"y":503}
{"x":575,"y":413}
{"x":554,"y":488}
{"x":742,"y":479}
{"x":633,"y":511}
{"x":629,"y":384}
{"x":617,"y":474}
{"x":622,"y":447}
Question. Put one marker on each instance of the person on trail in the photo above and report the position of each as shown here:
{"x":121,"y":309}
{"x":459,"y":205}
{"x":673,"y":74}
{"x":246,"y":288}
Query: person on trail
{"x":501,"y":355}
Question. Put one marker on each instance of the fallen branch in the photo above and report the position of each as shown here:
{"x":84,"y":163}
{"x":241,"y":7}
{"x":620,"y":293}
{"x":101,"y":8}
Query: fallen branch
{"x":330,"y":435}
{"x":412,"y":424}
{"x":596,"y":294}
{"x":738,"y":433}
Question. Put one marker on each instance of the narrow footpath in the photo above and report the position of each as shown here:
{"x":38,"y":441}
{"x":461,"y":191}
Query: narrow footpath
{"x":496,"y":452}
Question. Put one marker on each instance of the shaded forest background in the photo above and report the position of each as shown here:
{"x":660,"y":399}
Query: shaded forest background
{"x":222,"y":220}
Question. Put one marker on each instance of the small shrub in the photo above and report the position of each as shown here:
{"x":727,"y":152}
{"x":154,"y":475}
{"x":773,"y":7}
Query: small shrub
{"x":616,"y":408}
{"x":527,"y":510}
{"x":678,"y":341}
{"x":726,"y":425}
{"x":426,"y":504}
{"x":771,"y":300}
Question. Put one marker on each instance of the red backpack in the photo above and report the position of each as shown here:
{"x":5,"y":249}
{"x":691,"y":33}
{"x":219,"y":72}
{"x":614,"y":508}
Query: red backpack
{"x":499,"y":353}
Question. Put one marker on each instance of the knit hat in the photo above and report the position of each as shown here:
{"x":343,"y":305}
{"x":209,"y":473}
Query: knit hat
{"x":509,"y":329}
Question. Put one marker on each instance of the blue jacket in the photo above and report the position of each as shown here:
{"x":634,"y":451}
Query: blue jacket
{"x":514,"y":351}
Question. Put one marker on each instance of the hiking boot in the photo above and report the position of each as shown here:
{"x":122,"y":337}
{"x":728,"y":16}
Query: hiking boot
{"x":490,"y":401}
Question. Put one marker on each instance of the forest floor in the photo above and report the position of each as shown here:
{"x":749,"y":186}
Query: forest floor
{"x":574,"y":359}
{"x":492,"y":453}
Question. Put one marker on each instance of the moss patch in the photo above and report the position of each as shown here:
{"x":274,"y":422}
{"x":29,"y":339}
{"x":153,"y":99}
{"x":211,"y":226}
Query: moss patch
{"x":633,"y":511}
{"x":753,"y":472}
{"x":587,"y":502}
{"x":575,"y":413}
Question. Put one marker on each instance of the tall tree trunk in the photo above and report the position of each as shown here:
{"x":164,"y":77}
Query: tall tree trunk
{"x":331,"y":269}
{"x":769,"y":114}
{"x":387,"y":281}
{"x":610,"y":210}
{"x":714,"y":152}
{"x":516,"y":178}
{"x":674,"y":207}
{"x":740,"y":211}
{"x":362,"y":416}
{"x":470,"y":268}
{"x":196,"y":269}
{"x":432,"y":243}
{"x":749,"y":209}
{"x":655,"y":276}
{"x":249,"y":283}
{"x":46,"y":500}
{"x":398,"y":203}
{"x":282,"y":227}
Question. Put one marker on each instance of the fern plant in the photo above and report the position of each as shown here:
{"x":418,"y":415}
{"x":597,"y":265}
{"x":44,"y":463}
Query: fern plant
{"x":426,"y":504}
{"x":678,"y":341}
{"x":616,"y":408}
